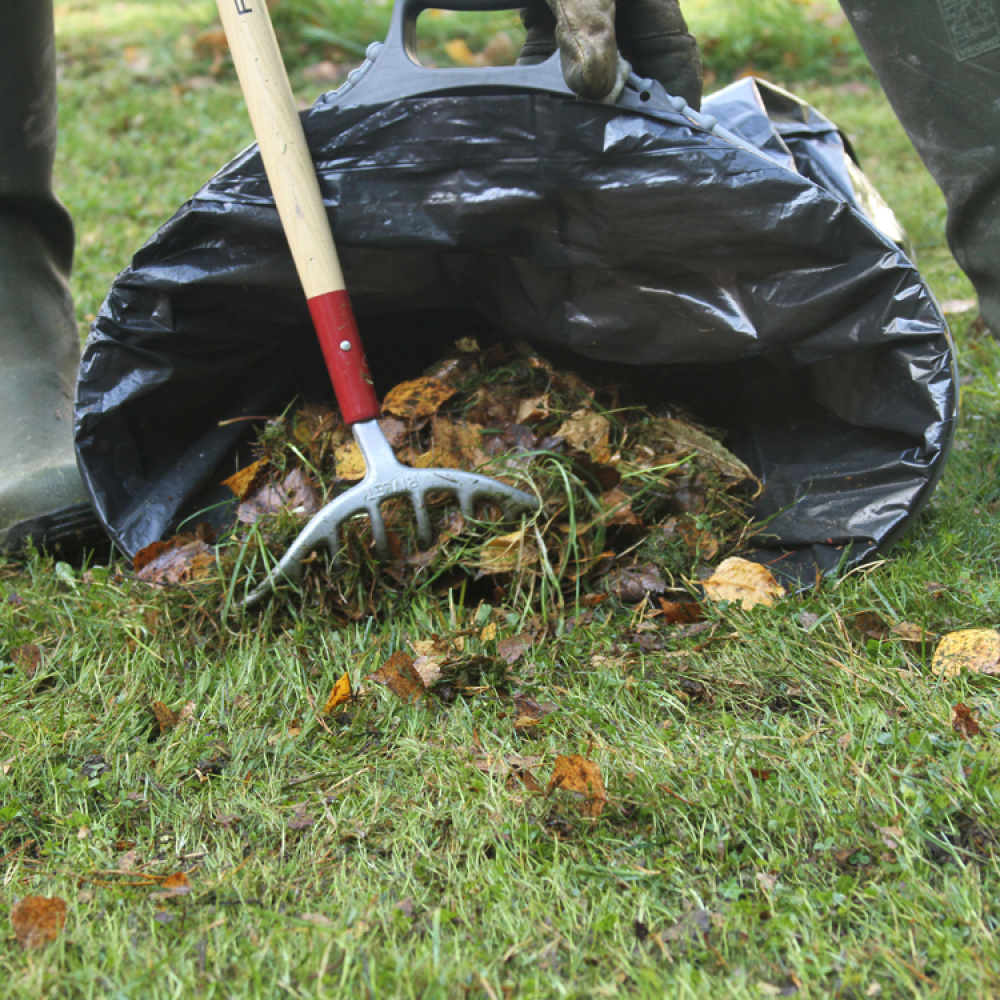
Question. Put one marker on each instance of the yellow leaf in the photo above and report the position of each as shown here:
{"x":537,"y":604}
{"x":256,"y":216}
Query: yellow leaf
{"x":418,"y":398}
{"x":589,"y":432}
{"x":738,"y":579}
{"x":242,"y":483}
{"x":341,"y":692}
{"x":350,"y":461}
{"x":508,"y":553}
{"x":976,"y":650}
{"x":489,"y":632}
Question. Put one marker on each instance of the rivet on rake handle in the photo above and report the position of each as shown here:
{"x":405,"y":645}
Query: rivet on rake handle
{"x":292,"y":176}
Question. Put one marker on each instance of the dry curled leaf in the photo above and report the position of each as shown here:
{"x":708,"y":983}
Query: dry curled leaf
{"x":173,"y":886}
{"x":738,"y":579}
{"x":588,"y":432}
{"x":511,"y":553}
{"x":183,"y":560}
{"x":244,"y":482}
{"x":341,"y":693}
{"x":165,"y":717}
{"x":400,"y":677}
{"x":963,"y":721}
{"x":417,"y":398}
{"x":582,"y":777}
{"x":37,"y":920}
{"x":976,"y":650}
{"x":28,"y":657}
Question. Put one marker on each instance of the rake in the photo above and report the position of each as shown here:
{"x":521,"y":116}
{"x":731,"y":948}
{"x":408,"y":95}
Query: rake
{"x":292,"y":176}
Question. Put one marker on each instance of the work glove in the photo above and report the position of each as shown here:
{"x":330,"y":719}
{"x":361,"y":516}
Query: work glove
{"x":651,"y":35}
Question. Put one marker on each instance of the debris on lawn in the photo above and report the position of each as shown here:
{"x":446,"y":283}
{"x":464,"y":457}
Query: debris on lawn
{"x":37,"y":920}
{"x":636,"y":498}
{"x":976,"y":650}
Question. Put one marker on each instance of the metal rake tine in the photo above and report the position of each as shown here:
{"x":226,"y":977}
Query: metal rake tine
{"x":424,"y":533}
{"x":379,"y":533}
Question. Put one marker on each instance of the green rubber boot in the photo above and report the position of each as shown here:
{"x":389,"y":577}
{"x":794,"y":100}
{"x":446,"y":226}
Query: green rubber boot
{"x":939,"y":64}
{"x":42,"y":499}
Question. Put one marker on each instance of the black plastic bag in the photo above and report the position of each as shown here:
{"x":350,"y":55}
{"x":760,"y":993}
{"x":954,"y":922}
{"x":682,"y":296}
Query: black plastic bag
{"x":734,"y":267}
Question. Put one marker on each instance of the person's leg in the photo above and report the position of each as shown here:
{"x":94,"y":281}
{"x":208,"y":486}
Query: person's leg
{"x":939,"y":63}
{"x":39,"y":345}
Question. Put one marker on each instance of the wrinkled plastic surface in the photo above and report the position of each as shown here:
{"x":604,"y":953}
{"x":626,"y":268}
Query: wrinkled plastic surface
{"x":748,"y":284}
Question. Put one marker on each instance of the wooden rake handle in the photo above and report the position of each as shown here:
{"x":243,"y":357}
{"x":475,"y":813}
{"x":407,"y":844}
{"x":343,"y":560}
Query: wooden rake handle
{"x":292,"y":175}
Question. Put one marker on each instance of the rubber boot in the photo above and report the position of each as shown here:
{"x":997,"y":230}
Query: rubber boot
{"x":41,"y":495}
{"x":651,"y":35}
{"x":939,"y":64}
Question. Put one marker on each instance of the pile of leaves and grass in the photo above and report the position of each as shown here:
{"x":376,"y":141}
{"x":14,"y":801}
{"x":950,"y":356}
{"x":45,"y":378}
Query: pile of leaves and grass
{"x":635,"y":501}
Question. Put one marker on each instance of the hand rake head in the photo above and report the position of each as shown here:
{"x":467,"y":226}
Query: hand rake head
{"x":386,"y":477}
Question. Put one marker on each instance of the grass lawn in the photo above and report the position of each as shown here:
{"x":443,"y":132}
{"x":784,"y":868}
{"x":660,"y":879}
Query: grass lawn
{"x":790,"y":809}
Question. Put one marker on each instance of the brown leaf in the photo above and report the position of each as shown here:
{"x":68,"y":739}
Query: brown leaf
{"x":184,"y":560}
{"x":300,"y":819}
{"x":737,"y":579}
{"x":341,"y":693}
{"x":511,"y":553}
{"x":28,"y":657}
{"x":686,"y":437}
{"x":455,"y":445}
{"x":581,"y":777}
{"x":173,"y":886}
{"x":588,"y":432}
{"x":872,"y":625}
{"x":976,"y":650}
{"x":165,"y":717}
{"x":635,"y":583}
{"x":617,"y":506}
{"x":245,"y":481}
{"x":37,"y":920}
{"x":680,"y":612}
{"x":512,"y":648}
{"x":963,"y":721}
{"x":530,"y":712}
{"x":421,"y":397}
{"x":533,"y":410}
{"x":399,"y":676}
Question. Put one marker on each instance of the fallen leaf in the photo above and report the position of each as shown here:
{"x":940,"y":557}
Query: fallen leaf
{"x":588,"y":432}
{"x":455,"y":445}
{"x":911,"y":635}
{"x":963,"y":721}
{"x":350,"y":463}
{"x":244,"y":482}
{"x":28,"y":657}
{"x":489,"y":632}
{"x":581,"y":777}
{"x":421,"y":397}
{"x":184,"y":559}
{"x":398,"y":675}
{"x":127,"y":861}
{"x":680,"y":612}
{"x":635,"y":583}
{"x":37,"y":920}
{"x":872,"y":625}
{"x":530,"y":712}
{"x":687,"y":438}
{"x":300,"y":819}
{"x":173,"y":886}
{"x":750,"y":583}
{"x":976,"y":650}
{"x":341,"y":692}
{"x":165,"y":717}
{"x":513,"y":647}
{"x":533,"y":410}
{"x":511,"y":553}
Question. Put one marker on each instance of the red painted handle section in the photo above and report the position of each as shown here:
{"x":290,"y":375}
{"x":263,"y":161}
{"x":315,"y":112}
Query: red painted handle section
{"x":338,"y":335}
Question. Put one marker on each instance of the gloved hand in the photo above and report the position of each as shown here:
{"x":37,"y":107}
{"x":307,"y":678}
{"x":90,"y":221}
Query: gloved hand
{"x":652,"y":35}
